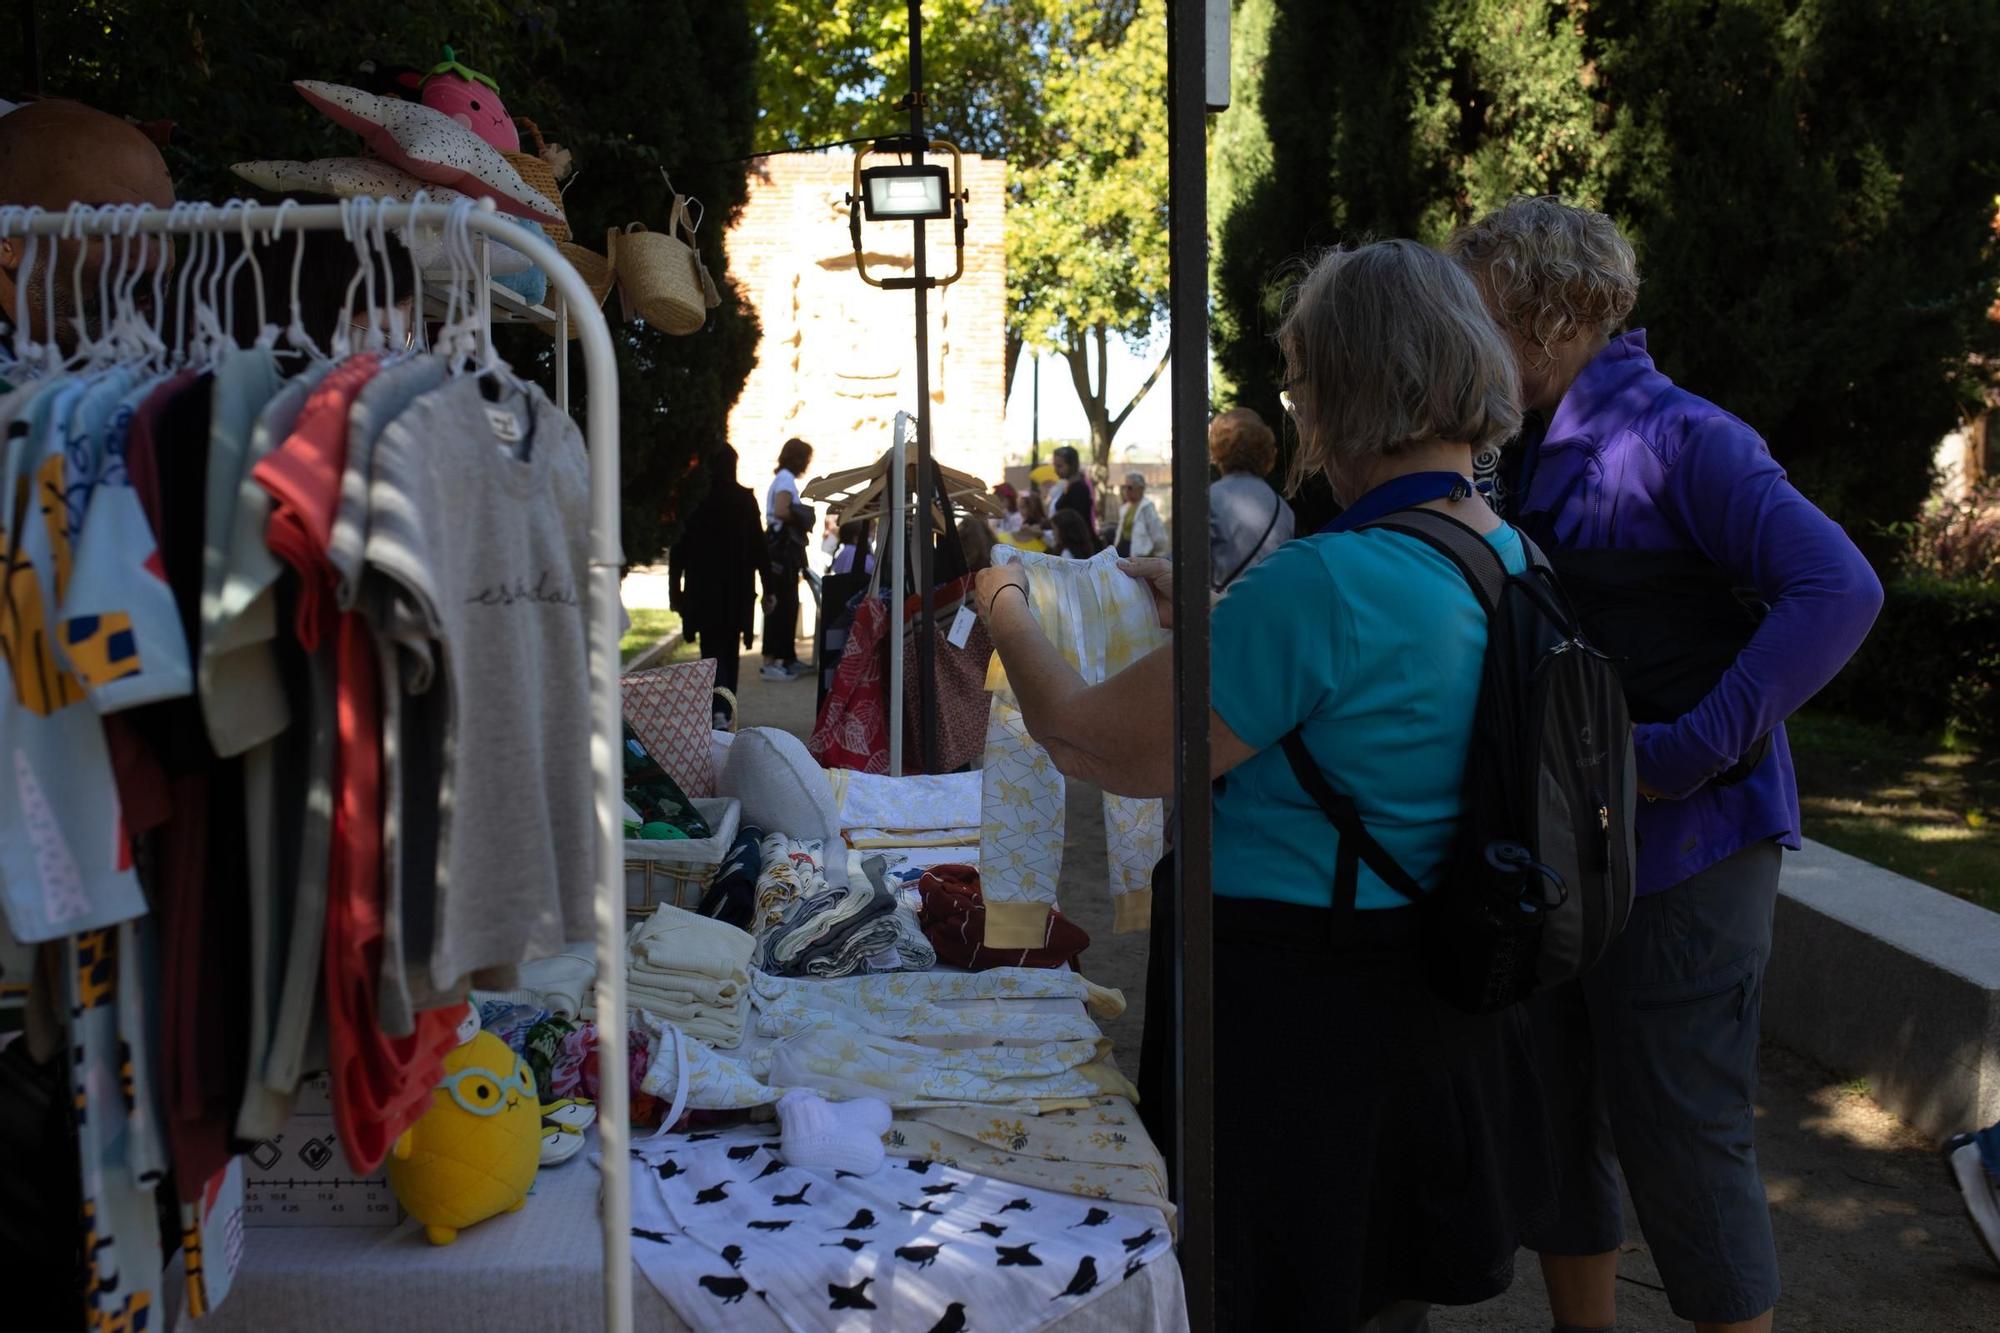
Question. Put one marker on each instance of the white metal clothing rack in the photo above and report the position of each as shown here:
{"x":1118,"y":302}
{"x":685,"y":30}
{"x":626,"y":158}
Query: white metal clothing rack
{"x":606,"y":560}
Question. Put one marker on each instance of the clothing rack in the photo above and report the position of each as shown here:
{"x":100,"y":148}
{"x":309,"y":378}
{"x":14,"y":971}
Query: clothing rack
{"x":606,"y":559}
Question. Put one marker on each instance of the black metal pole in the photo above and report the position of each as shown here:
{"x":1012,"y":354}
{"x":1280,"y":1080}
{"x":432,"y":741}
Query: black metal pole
{"x":926,"y":489}
{"x":31,"y":51}
{"x":1190,"y":950}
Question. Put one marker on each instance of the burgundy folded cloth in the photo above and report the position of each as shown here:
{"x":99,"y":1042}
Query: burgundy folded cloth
{"x":954,"y":920}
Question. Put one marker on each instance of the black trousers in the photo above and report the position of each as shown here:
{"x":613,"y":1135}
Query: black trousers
{"x":781,"y":623}
{"x":724,"y":650}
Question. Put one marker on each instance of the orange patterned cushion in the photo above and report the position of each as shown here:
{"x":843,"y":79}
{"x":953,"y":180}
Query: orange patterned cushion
{"x":671,"y":710}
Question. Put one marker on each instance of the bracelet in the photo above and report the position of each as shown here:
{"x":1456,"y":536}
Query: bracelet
{"x":996,"y":599}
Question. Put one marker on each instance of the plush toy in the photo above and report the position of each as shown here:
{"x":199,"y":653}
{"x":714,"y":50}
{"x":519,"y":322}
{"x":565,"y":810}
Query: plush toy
{"x":475,"y":1153}
{"x":471,"y":99}
{"x":431,"y":146}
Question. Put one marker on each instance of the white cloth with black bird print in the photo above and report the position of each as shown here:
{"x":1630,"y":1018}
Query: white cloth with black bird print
{"x":734,"y":1238}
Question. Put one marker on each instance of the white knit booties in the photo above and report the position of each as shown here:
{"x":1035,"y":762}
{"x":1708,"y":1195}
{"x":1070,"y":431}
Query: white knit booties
{"x":832,"y":1136}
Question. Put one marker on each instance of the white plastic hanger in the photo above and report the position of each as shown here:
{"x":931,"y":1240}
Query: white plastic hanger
{"x":296,"y":337}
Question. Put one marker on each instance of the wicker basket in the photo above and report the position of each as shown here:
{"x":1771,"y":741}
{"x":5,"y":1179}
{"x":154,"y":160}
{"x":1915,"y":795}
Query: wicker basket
{"x":678,"y":872}
{"x":593,"y":268}
{"x":660,"y":275}
{"x":540,"y":176}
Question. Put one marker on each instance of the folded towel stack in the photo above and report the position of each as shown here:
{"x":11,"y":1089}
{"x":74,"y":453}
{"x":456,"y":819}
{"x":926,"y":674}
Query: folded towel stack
{"x":837,"y":932}
{"x":693,"y":972}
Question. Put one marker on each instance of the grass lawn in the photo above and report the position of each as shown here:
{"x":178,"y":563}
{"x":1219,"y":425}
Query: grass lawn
{"x":649,"y":626}
{"x":1906,"y":802}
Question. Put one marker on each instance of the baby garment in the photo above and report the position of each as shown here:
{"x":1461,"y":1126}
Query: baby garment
{"x":478,"y":525}
{"x":735,"y":1238}
{"x":906,"y":804}
{"x":1102,"y":620}
{"x":1098,"y":1151}
{"x":692,"y":971}
{"x":64,"y":644}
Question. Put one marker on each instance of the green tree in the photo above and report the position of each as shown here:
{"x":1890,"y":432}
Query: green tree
{"x":627,"y":88}
{"x":1070,"y":92}
{"x":1809,"y":183}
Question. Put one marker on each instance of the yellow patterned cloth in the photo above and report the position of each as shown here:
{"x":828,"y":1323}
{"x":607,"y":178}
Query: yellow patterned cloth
{"x":1102,"y":620}
{"x":1099,"y":1151}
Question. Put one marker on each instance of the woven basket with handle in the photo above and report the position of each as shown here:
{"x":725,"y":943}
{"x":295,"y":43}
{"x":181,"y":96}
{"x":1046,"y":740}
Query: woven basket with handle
{"x":661,"y":278}
{"x":540,"y":176}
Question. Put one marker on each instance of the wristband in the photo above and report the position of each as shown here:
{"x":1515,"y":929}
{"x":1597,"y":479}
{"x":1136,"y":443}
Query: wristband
{"x":990,"y":606}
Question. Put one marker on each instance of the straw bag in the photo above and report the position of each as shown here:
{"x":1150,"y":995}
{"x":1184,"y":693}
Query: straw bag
{"x":661,"y":278}
{"x":540,"y":176}
{"x":594,"y":269}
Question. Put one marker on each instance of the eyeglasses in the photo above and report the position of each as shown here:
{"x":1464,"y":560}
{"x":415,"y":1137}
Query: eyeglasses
{"x":482,"y":1092}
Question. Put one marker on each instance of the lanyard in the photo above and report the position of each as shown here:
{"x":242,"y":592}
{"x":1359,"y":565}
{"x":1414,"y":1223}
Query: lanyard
{"x":1398,"y":493}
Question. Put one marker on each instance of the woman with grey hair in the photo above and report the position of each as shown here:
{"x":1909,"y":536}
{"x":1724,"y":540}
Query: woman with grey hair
{"x":1665,"y":515}
{"x":1412,"y":1137}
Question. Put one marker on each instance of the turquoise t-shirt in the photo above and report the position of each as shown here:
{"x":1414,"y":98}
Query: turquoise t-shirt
{"x":1372,"y":642}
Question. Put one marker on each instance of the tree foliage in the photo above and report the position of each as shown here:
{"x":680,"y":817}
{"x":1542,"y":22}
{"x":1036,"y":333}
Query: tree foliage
{"x":627,"y":88}
{"x":1809,"y":183}
{"x":1070,"y":92}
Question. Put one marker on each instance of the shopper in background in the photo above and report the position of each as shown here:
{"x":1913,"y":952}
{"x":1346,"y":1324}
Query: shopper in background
{"x":787,"y":522}
{"x":1074,"y":537}
{"x":1072,"y":487}
{"x":712,"y":570}
{"x":975,"y":540}
{"x":1651,"y":1059}
{"x":1033,"y":532}
{"x":852,"y":548}
{"x":1140,"y":531}
{"x":1011,"y":520}
{"x":1247,"y":519}
{"x":1409,"y":1143}
{"x":1974,"y":1162}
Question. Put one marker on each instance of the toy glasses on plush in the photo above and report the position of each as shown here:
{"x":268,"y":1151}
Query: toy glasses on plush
{"x":472,"y":99}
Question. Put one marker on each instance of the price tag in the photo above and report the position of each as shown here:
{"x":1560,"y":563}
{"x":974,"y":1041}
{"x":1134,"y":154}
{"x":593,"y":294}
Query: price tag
{"x":961,"y":627}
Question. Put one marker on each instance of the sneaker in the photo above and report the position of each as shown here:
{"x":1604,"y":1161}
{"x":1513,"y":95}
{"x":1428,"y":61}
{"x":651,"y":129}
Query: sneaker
{"x":775,"y":671}
{"x":1979,"y":1190}
{"x":799,"y":670}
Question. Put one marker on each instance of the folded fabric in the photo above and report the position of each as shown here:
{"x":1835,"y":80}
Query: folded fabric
{"x":840,"y":931}
{"x":732,"y":896}
{"x":954,"y":920}
{"x":1100,"y":1151}
{"x":845,"y":1063}
{"x":873,"y":800}
{"x":791,"y":869}
{"x":875,"y":838}
{"x":678,"y":941}
{"x":559,"y":984}
{"x":785,"y":1007}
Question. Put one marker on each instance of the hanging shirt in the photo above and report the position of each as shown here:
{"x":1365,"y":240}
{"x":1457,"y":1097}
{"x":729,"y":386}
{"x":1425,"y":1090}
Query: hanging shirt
{"x":478,"y":521}
{"x":71,"y":868}
{"x":380,"y":1084}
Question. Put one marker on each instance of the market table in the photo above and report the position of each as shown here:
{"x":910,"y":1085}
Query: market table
{"x":538,"y":1268}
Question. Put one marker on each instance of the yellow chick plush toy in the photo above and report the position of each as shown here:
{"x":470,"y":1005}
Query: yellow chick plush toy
{"x":475,"y":1153}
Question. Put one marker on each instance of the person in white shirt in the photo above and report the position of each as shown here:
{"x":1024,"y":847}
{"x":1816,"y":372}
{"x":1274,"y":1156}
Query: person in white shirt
{"x":787,"y":521}
{"x":1140,"y":529}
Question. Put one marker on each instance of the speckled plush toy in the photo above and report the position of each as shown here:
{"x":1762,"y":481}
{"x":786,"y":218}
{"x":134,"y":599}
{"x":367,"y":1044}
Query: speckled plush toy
{"x":475,"y":1153}
{"x":471,"y":99}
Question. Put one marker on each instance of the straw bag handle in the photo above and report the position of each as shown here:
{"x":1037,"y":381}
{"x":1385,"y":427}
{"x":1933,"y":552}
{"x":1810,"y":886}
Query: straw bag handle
{"x":534,"y":133}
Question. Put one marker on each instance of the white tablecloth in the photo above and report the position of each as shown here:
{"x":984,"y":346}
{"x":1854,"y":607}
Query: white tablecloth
{"x":535,"y":1269}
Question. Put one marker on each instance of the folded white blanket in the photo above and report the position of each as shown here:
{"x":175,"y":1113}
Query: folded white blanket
{"x":872,"y":800}
{"x":560,"y":984}
{"x":673,"y":940}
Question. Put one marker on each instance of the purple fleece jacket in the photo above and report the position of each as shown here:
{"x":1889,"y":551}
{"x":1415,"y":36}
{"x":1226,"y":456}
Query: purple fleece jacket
{"x":1633,"y":463}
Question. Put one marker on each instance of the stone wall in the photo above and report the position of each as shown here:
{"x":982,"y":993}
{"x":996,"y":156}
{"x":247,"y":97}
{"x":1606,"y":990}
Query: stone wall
{"x":838,"y":357}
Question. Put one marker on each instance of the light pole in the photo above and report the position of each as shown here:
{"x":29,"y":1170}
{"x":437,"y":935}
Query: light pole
{"x":916,"y":192}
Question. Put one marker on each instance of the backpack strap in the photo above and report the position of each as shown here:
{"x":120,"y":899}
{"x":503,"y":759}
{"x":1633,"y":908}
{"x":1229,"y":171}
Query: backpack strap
{"x":1357,"y":844}
{"x":1475,"y":557}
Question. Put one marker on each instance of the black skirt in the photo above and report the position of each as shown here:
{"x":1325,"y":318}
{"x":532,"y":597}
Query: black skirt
{"x":1372,"y":1143}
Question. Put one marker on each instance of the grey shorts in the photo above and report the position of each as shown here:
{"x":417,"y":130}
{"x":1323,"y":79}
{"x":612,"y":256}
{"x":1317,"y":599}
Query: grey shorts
{"x":1650,"y":1064}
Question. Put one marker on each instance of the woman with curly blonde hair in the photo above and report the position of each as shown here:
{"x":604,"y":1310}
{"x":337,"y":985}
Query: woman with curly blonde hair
{"x":1659,"y":509}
